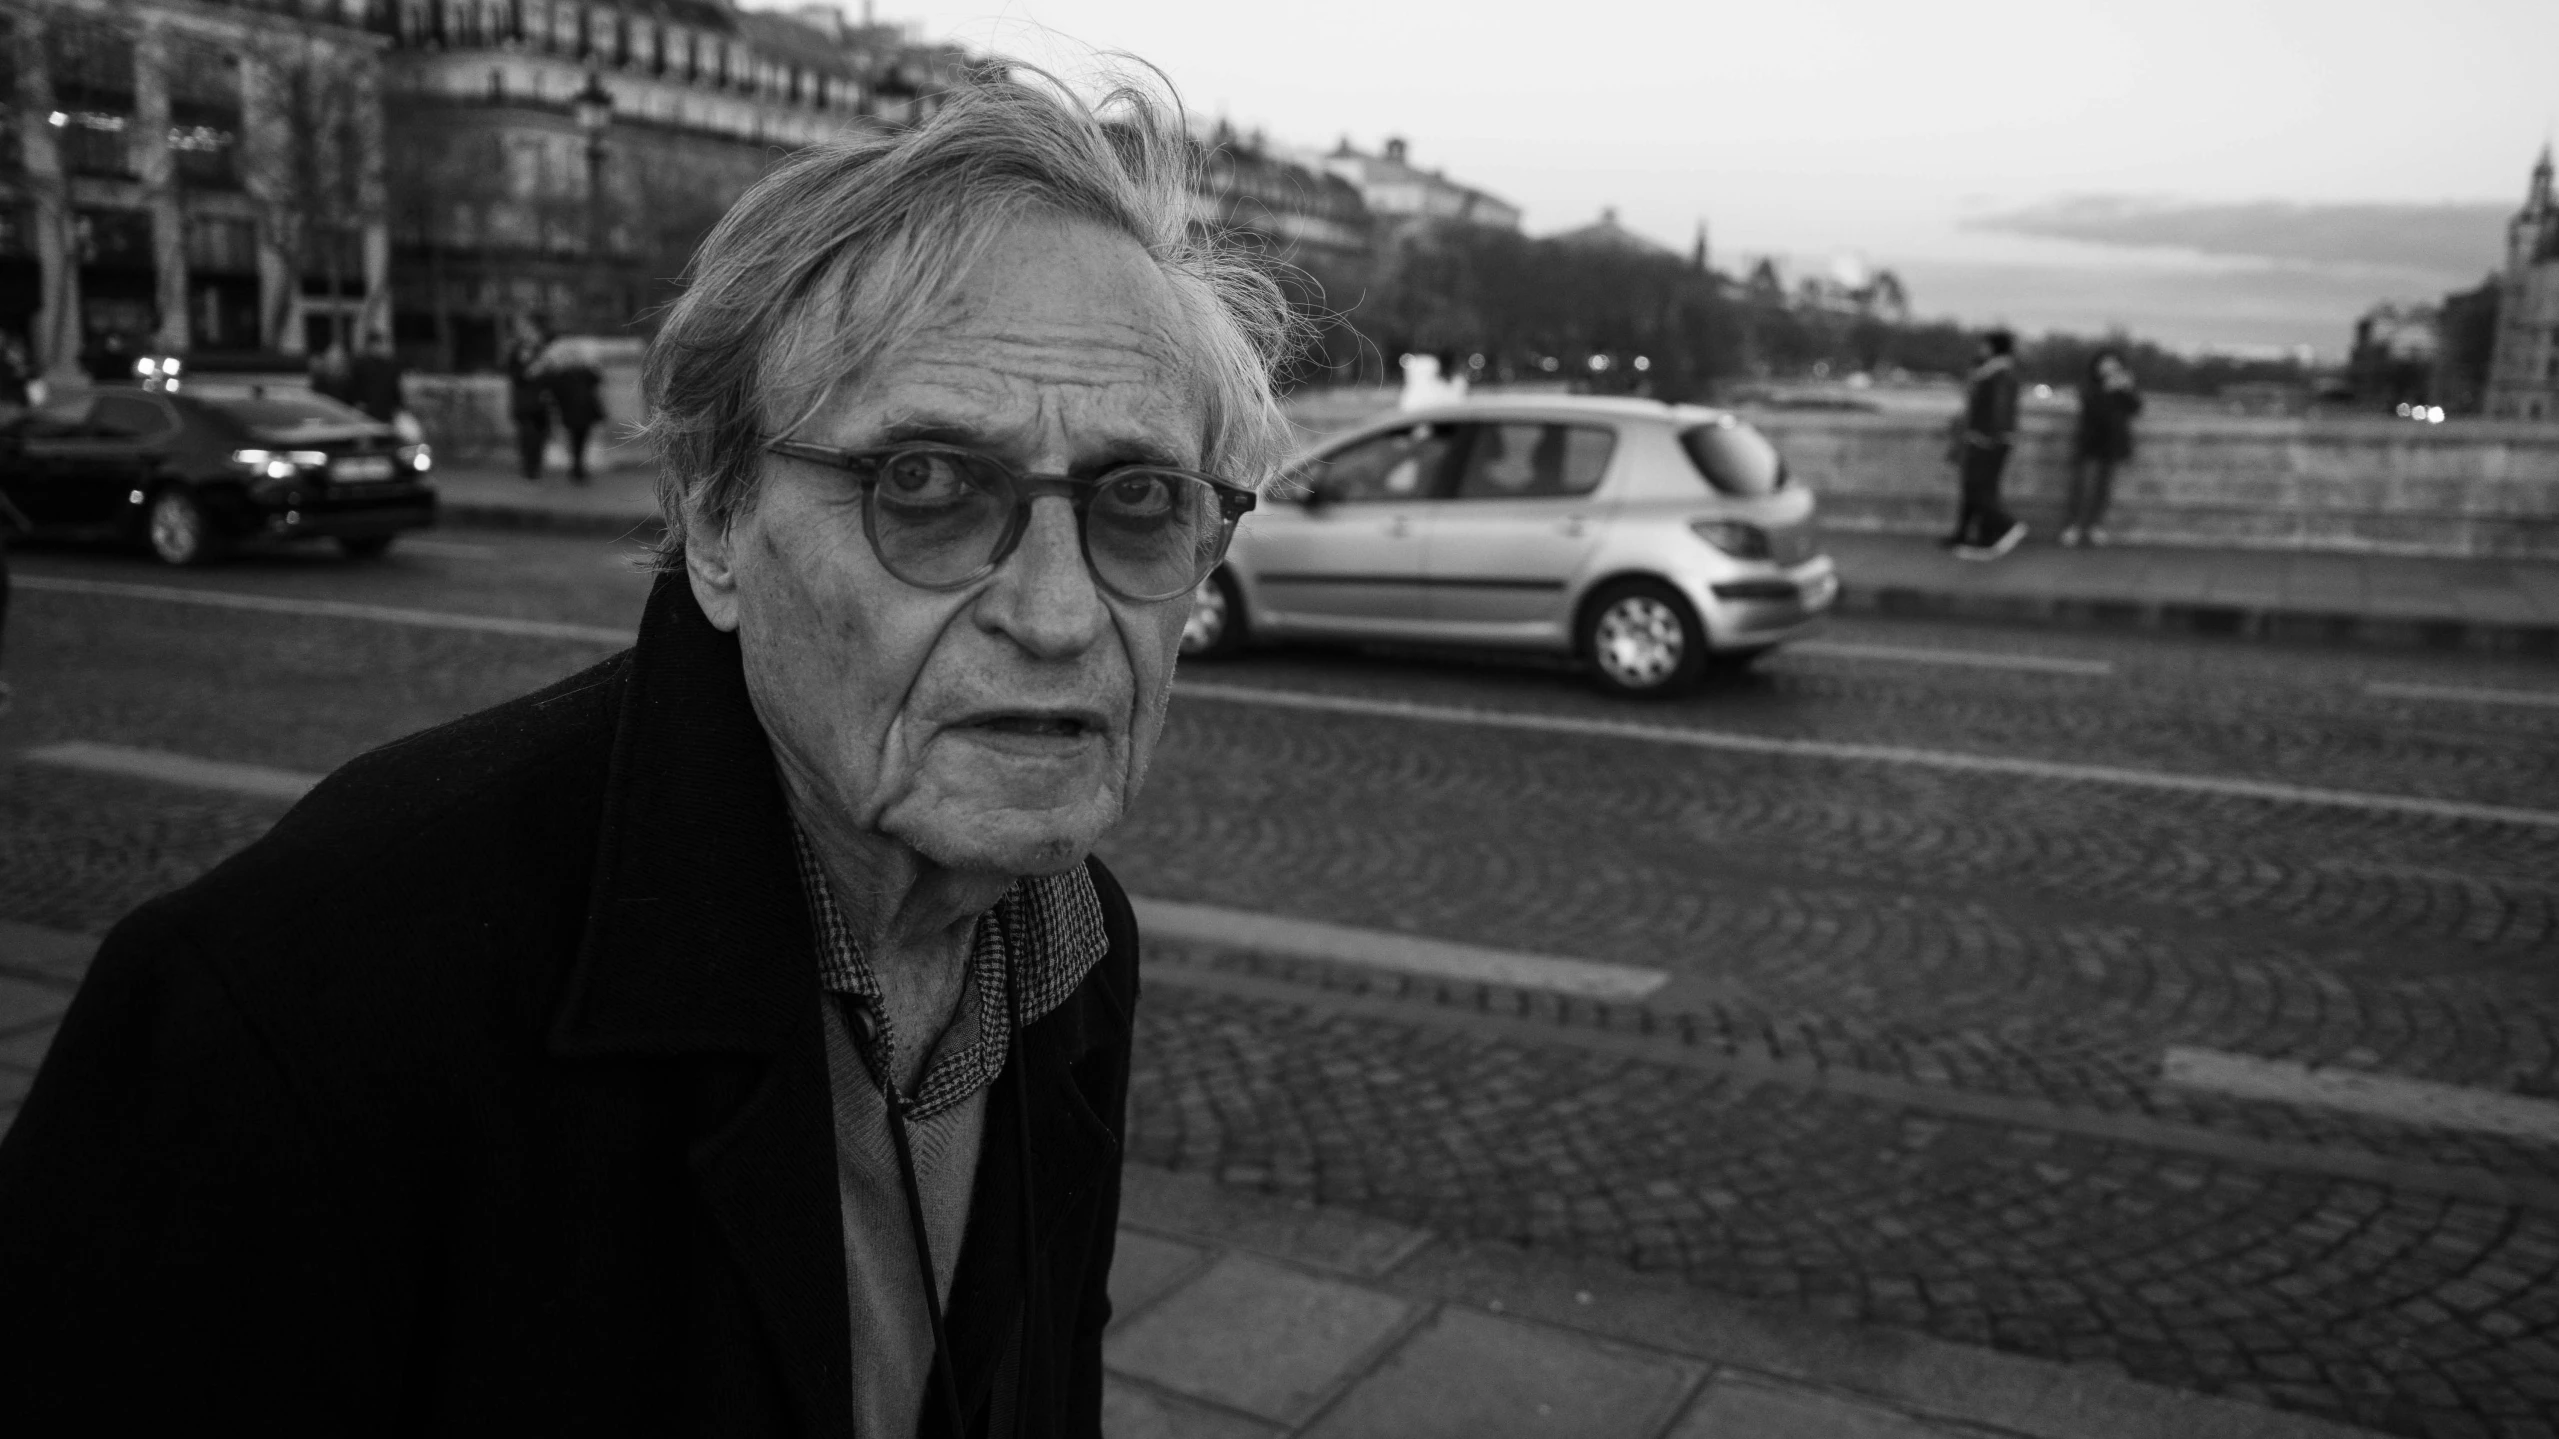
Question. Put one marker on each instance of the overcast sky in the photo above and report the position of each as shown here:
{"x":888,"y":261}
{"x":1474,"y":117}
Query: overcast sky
{"x":1874,"y":127}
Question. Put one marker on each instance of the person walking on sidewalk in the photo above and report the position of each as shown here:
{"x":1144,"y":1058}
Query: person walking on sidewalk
{"x":1984,"y":531}
{"x":528,"y":397}
{"x":734,"y":1037}
{"x":577,"y":395}
{"x":2108,"y":402}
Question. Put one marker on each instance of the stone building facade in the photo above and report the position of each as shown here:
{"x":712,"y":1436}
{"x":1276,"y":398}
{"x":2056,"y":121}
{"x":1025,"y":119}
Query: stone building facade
{"x":185,"y":176}
{"x":562,"y":157}
{"x":2523,"y":374}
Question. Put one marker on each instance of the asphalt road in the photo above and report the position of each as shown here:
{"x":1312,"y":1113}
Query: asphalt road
{"x":1931,"y":909}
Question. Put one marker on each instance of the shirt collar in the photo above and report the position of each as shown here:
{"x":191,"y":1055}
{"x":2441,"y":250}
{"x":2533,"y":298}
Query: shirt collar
{"x":1040,"y":940}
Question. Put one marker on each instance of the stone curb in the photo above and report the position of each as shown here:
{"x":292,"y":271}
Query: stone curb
{"x":532,"y":519}
{"x":1944,"y":1385}
{"x":2268,"y":622}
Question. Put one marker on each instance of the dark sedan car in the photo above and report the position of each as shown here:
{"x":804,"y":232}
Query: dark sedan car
{"x":190,"y":474}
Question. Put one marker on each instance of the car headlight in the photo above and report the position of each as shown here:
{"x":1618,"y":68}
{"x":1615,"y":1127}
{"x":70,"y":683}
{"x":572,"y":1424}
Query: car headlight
{"x":265,"y":464}
{"x":1741,"y":541}
{"x":419,"y":457}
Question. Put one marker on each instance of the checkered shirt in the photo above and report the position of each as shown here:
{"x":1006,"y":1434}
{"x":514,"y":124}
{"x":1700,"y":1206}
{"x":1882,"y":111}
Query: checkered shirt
{"x":1044,"y":935}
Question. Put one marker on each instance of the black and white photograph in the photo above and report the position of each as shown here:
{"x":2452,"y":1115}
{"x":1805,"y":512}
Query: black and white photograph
{"x":1117,"y":719}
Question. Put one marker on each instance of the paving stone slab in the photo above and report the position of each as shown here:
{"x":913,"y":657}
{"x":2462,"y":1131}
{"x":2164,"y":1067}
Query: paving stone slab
{"x":1190,"y":1204}
{"x":1747,"y":1409}
{"x":1893,"y":1368}
{"x":1251,"y":1335}
{"x":1130,"y":1411}
{"x":1144,"y":1267}
{"x":1469,"y":1374}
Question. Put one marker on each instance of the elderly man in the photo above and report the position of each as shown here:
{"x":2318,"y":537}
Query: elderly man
{"x":733,"y":1037}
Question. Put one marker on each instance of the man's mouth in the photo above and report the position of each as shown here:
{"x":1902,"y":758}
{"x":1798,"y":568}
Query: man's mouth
{"x":1045,"y":726}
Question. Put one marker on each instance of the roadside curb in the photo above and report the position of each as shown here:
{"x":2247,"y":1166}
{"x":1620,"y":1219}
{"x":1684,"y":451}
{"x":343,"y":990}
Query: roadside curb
{"x":2266,"y":622}
{"x":470,"y":515}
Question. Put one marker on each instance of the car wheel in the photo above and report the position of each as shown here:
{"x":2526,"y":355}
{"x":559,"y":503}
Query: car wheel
{"x":178,"y":529}
{"x":1643,"y":640}
{"x":364,"y":547}
{"x":1216,"y":626}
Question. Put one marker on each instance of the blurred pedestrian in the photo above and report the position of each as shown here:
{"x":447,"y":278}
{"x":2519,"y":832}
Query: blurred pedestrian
{"x":374,"y":380}
{"x":576,"y":382}
{"x":1984,"y":531}
{"x":528,"y":398}
{"x":2108,"y":402}
{"x":333,"y":372}
{"x":14,"y":397}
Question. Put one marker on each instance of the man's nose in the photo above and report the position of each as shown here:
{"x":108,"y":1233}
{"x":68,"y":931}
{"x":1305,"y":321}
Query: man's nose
{"x":1045,"y":597}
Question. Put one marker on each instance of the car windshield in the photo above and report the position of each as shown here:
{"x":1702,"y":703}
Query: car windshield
{"x":288,"y":411}
{"x":1736,"y":459}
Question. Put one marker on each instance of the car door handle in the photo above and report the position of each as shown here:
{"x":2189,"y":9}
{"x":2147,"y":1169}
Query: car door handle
{"x":1399,"y":527}
{"x":1572,"y":526}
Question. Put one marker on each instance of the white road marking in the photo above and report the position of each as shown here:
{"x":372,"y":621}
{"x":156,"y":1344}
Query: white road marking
{"x":329,"y":609}
{"x":1947,"y":760}
{"x":179,"y":769}
{"x":2462,"y":694}
{"x":2381,"y":1096}
{"x":1167,"y":919}
{"x":449,"y":549}
{"x":1964,"y":659}
{"x":1398,"y":953}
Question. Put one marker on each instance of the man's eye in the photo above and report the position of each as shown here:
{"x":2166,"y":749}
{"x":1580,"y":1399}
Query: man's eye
{"x":1138,"y":496}
{"x":924,"y":479}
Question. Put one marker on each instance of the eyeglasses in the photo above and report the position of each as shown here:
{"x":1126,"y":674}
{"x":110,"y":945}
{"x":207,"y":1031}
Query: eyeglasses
{"x":940,"y":517}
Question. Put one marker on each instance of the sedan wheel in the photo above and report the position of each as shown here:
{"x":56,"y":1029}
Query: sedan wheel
{"x":1643,"y":639}
{"x":1215,"y":626}
{"x":179,"y":532}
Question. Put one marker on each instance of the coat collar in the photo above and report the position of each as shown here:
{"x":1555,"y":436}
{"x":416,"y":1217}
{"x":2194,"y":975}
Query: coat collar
{"x":696,"y":938}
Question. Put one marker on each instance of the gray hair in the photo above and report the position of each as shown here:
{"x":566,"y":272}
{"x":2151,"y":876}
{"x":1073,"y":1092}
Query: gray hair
{"x":839,"y":255}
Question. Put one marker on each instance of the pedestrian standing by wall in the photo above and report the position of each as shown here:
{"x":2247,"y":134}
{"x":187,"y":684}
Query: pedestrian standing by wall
{"x":2108,"y":402}
{"x":374,"y":380}
{"x":1984,"y":531}
{"x":528,"y":399}
{"x":576,"y":383}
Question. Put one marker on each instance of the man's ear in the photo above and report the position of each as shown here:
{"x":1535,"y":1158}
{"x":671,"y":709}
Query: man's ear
{"x":707,"y":554}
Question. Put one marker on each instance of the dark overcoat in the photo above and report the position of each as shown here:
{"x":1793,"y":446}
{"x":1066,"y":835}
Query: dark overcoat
{"x":487,"y":1095}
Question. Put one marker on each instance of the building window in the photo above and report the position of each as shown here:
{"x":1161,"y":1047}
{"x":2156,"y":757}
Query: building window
{"x":118,"y":239}
{"x":219,"y":244}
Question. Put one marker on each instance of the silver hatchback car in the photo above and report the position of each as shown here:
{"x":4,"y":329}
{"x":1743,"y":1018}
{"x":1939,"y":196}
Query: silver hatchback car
{"x":1650,"y":540}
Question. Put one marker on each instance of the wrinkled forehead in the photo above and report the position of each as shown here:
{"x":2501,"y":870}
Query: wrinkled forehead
{"x":1062,"y":344}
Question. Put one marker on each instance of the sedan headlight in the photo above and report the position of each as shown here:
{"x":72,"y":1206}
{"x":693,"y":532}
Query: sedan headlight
{"x":420,"y":458}
{"x":1741,"y":541}
{"x":264,"y":464}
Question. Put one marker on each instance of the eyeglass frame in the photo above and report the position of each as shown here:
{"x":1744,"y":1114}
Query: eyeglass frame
{"x":1234,"y":503}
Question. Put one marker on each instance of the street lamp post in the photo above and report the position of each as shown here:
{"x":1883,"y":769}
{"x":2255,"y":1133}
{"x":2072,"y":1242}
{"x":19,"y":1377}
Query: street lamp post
{"x":594,"y":106}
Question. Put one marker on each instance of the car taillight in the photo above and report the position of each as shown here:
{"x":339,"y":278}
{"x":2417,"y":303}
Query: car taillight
{"x":1741,"y":541}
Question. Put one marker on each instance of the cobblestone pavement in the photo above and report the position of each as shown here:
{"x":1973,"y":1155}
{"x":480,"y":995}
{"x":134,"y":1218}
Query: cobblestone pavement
{"x":2004,"y":936}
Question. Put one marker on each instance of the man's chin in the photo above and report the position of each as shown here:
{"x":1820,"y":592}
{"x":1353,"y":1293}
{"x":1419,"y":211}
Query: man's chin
{"x":1005,"y":842}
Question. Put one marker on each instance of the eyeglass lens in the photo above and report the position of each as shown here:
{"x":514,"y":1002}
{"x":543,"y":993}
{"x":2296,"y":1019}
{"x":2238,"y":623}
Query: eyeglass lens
{"x":939,"y":519}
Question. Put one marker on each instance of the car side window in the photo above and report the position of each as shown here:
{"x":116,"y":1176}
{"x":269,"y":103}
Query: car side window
{"x":1535,"y":461}
{"x":129,"y":417}
{"x":1407,"y":464}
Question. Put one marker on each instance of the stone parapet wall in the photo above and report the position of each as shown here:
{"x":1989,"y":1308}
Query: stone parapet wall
{"x":2368,"y":485}
{"x":466,"y":420}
